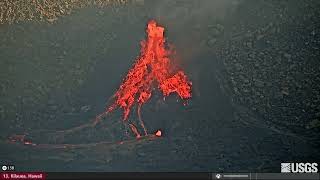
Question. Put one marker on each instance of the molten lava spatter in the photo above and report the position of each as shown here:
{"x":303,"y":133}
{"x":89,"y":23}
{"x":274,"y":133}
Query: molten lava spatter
{"x":153,"y":69}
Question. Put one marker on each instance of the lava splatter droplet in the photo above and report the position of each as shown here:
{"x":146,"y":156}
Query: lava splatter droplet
{"x":158,"y":133}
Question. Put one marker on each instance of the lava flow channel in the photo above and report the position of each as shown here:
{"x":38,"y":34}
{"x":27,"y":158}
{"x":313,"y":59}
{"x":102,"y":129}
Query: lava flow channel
{"x":153,"y":69}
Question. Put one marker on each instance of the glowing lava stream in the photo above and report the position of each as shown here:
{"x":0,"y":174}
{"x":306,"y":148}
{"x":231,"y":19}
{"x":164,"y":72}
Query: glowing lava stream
{"x":153,"y":69}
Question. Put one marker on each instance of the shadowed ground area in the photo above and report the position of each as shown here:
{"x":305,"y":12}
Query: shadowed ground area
{"x":255,"y":77}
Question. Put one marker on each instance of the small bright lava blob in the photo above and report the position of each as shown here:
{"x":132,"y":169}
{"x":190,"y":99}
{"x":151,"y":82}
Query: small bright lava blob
{"x":158,"y":133}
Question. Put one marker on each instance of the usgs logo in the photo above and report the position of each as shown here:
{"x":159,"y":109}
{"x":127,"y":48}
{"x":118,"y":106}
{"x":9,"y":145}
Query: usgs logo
{"x":299,"y":167}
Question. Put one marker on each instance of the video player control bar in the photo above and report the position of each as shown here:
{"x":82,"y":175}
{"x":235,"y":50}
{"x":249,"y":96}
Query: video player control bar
{"x":141,"y":176}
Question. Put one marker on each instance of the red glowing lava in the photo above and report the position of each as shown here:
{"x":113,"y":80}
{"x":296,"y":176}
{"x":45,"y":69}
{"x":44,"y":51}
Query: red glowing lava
{"x":158,"y":133}
{"x":153,"y":68}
